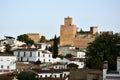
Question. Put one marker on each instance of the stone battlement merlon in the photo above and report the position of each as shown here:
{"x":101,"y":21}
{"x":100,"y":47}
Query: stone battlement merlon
{"x":68,"y":21}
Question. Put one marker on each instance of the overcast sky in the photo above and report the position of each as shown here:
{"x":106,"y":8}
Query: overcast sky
{"x":45,"y":16}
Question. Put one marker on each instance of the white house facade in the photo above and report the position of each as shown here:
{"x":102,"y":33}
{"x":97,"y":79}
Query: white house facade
{"x":52,"y":73}
{"x":114,"y":75}
{"x":33,"y":55}
{"x":43,"y":46}
{"x":7,"y":62}
{"x":81,"y":54}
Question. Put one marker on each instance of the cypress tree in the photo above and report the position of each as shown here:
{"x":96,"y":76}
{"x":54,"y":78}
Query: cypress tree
{"x":55,"y":48}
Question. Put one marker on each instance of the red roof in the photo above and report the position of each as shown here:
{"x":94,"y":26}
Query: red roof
{"x":28,"y":49}
{"x":50,"y":71}
{"x":6,"y":76}
{"x":109,"y":77}
{"x":77,"y":59}
{"x":58,"y":63}
{"x":5,"y":54}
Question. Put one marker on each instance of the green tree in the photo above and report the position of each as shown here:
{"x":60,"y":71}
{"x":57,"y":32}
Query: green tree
{"x":103,"y":48}
{"x":8,"y":49}
{"x":55,"y":48}
{"x":25,"y":38}
{"x":68,"y":55}
{"x":43,"y":39}
{"x":27,"y":75}
{"x":61,"y":56}
{"x":38,"y":62}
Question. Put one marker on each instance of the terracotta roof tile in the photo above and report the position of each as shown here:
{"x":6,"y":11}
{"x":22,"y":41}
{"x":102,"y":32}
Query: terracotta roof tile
{"x":5,"y":54}
{"x":28,"y":49}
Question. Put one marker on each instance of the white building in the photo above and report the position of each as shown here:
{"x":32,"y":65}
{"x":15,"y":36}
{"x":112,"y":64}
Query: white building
{"x":43,"y":46}
{"x":10,"y":40}
{"x":81,"y":54}
{"x":52,"y":73}
{"x":3,"y":42}
{"x":114,"y":75}
{"x":7,"y":62}
{"x":64,"y":50}
{"x":58,"y":65}
{"x":33,"y":55}
{"x":77,"y":61}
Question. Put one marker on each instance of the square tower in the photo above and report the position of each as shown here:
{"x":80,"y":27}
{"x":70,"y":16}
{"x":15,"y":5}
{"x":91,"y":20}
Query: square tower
{"x":68,"y":21}
{"x":67,"y":32}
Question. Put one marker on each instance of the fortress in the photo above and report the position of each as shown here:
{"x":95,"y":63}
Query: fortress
{"x":34,"y":36}
{"x":70,"y":35}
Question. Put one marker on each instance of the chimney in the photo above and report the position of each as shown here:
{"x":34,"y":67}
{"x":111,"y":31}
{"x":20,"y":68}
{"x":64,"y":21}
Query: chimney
{"x":105,"y":65}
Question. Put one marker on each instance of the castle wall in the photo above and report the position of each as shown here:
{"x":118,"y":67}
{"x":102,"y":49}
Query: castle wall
{"x":70,"y":36}
{"x":82,"y":40}
{"x":93,"y":29}
{"x":35,"y":37}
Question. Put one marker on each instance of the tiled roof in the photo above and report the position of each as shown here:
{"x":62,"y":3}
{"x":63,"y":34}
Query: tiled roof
{"x":5,"y":54}
{"x":47,"y":71}
{"x":3,"y":40}
{"x":77,"y":59}
{"x":28,"y":49}
{"x":50,"y":71}
{"x":6,"y":76}
{"x":9,"y":37}
{"x":58,"y":63}
{"x":110,"y":77}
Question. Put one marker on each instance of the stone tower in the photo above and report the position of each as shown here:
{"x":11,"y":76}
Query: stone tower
{"x":67,"y":32}
{"x":94,"y":29}
{"x":34,"y":36}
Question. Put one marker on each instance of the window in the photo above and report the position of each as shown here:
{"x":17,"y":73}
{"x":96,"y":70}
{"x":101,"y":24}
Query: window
{"x":38,"y":54}
{"x":49,"y":60}
{"x":45,"y":75}
{"x":18,"y":59}
{"x":44,"y":60}
{"x":50,"y":75}
{"x":18,"y":53}
{"x":49,"y":55}
{"x":1,"y":66}
{"x":55,"y":76}
{"x":41,"y":76}
{"x":27,"y":59}
{"x":30,"y":54}
{"x":7,"y":67}
{"x":43,"y":55}
{"x":60,"y":75}
{"x":64,"y":75}
{"x":24,"y":54}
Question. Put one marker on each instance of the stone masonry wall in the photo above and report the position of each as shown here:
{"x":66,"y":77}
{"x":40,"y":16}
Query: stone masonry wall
{"x":35,"y":37}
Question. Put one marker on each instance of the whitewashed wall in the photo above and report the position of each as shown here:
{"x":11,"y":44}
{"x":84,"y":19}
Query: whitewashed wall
{"x":7,"y":63}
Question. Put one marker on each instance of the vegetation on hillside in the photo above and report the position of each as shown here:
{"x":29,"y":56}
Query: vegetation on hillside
{"x":43,"y":39}
{"x":103,"y":48}
{"x":8,"y":49}
{"x":27,"y":75}
{"x":25,"y":38}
